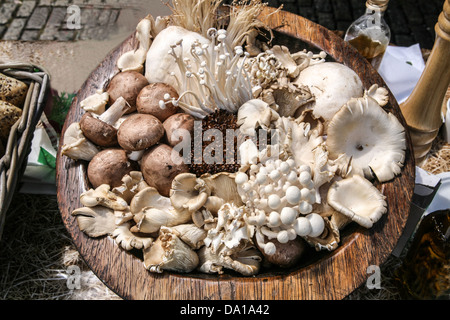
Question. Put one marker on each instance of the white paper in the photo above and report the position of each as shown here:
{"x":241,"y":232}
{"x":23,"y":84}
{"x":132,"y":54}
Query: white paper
{"x":39,"y":178}
{"x":441,"y":200}
{"x":401,"y":69}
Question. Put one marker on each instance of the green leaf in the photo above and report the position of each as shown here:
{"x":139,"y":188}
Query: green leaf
{"x":46,"y":158}
{"x":60,"y":108}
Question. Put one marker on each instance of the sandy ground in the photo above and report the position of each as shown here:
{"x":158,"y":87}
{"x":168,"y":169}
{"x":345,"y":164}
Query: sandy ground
{"x":70,"y":63}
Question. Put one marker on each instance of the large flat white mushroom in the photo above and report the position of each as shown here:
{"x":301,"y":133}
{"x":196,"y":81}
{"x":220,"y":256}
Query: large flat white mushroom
{"x":373,"y":139}
{"x":357,"y":199}
{"x":332,"y":85}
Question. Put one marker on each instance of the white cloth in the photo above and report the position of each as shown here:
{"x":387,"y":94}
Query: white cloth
{"x":401,"y":69}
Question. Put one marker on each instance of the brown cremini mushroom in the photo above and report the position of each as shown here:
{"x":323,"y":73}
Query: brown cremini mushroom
{"x":152,"y":100}
{"x":109,"y":166}
{"x":177,"y":127}
{"x":160,"y":165}
{"x":100,"y":129}
{"x":139,"y":132}
{"x":126,"y":84}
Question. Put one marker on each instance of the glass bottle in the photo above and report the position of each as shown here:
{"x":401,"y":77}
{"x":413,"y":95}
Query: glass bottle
{"x":370,"y":34}
{"x":425,"y":271}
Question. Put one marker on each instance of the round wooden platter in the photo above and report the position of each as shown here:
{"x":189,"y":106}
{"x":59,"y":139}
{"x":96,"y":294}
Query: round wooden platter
{"x":329,"y":275}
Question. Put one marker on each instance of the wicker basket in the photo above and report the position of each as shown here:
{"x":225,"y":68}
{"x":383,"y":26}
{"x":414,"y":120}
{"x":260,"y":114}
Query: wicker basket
{"x":13,"y":163}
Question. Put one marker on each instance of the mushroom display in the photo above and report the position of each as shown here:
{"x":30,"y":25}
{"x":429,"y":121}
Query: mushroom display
{"x":330,"y":147}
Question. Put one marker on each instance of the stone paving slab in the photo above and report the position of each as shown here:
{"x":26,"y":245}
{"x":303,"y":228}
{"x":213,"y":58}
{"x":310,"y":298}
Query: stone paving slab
{"x":411,"y":21}
{"x":60,"y":20}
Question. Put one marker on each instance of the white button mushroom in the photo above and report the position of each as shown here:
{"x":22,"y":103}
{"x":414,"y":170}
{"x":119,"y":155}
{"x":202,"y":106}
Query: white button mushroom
{"x":274,"y":201}
{"x":241,"y":178}
{"x":317,"y":224}
{"x":302,"y":226}
{"x":268,"y":189}
{"x":283,"y":236}
{"x":291,"y":233}
{"x":261,"y":178}
{"x":293,"y":195}
{"x":304,"y":207}
{"x":305,"y":178}
{"x":288,"y":215}
{"x":269,"y":248}
{"x":284,"y":167}
{"x":274,"y":219}
{"x":275,"y":175}
{"x":292,"y":177}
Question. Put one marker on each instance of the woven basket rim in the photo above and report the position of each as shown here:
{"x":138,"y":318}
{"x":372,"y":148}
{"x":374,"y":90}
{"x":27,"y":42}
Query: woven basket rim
{"x":18,"y":146}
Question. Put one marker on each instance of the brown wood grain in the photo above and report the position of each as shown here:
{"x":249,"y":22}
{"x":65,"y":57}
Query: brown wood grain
{"x":330,"y":275}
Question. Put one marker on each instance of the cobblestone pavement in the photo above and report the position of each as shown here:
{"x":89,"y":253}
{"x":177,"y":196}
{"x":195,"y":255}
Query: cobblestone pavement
{"x":61,"y":20}
{"x":411,"y":21}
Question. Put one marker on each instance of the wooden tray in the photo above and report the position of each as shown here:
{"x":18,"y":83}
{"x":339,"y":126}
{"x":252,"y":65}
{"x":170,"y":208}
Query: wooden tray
{"x":330,"y":275}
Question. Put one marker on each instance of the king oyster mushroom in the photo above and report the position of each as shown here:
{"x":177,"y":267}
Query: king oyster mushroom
{"x":373,"y":139}
{"x":357,"y":199}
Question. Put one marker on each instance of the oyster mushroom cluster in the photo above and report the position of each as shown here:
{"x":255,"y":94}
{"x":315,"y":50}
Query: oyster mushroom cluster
{"x":331,"y":141}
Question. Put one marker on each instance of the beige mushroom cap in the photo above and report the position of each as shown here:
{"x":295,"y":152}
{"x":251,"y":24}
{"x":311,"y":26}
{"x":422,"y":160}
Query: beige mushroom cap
{"x":357,"y":199}
{"x":373,"y":139}
{"x":188,"y":193}
{"x":170,"y":253}
{"x":95,"y":221}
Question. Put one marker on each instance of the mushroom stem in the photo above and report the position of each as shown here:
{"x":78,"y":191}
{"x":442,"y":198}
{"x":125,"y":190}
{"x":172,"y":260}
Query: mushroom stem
{"x":115,"y":111}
